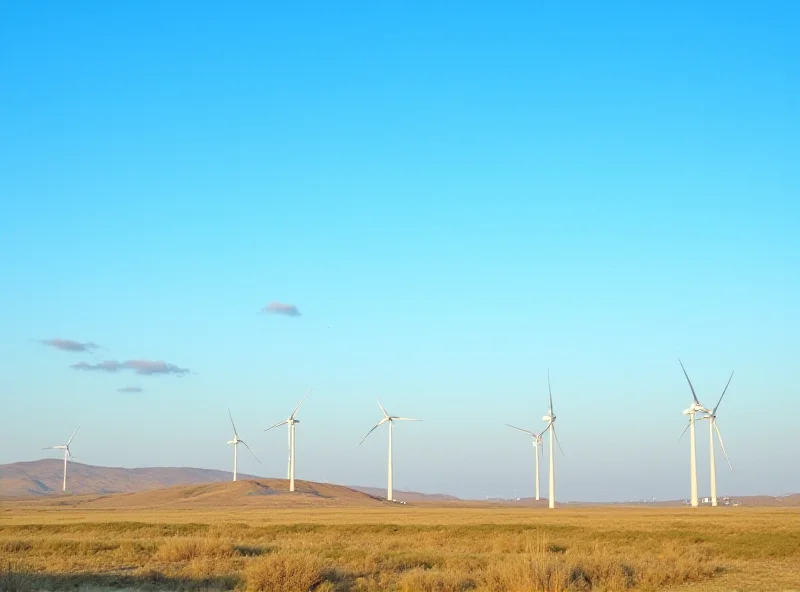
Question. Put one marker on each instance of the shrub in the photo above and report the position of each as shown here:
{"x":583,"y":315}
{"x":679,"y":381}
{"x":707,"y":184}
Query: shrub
{"x":285,"y":573}
{"x":422,"y":580}
{"x":175,"y":550}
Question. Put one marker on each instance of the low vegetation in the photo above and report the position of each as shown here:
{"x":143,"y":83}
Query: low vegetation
{"x":401,"y":549}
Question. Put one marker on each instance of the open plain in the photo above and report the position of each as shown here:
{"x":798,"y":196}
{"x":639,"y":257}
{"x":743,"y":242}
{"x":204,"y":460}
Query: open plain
{"x":241,"y":536}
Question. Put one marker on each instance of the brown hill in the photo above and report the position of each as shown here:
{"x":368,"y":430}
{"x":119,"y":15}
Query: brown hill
{"x":251,"y":493}
{"x":44,"y":476}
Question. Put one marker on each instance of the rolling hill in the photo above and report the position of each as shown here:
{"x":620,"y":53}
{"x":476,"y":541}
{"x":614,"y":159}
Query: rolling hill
{"x":249,"y":493}
{"x":43,"y":478}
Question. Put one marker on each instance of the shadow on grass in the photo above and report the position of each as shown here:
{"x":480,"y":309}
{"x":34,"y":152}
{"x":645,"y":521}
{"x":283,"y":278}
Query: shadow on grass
{"x":21,"y":581}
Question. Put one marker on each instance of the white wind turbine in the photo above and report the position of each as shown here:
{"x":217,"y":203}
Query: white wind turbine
{"x":711,"y":416}
{"x":390,"y":419}
{"x":538,"y":443}
{"x":693,"y":409}
{"x":67,"y":455}
{"x":291,"y":421}
{"x":550,"y":418}
{"x":235,"y":442}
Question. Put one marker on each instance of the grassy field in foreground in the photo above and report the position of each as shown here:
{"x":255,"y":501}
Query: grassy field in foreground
{"x":401,"y":548}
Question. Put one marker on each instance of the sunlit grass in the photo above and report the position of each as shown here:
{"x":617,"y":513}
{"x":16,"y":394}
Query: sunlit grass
{"x":409,"y":548}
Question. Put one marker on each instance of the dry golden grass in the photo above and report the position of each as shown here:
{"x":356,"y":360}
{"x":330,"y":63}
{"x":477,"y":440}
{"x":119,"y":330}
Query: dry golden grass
{"x":400,"y":548}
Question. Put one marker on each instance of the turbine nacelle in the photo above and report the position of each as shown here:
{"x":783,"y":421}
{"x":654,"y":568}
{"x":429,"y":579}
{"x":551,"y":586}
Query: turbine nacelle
{"x":695,"y":408}
{"x":537,"y":438}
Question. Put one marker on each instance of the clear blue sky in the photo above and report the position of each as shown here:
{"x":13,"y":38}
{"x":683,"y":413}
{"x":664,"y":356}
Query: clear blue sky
{"x":455,"y":198}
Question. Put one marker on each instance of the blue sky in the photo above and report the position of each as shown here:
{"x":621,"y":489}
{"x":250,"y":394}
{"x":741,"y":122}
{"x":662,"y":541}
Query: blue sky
{"x":455,"y":199}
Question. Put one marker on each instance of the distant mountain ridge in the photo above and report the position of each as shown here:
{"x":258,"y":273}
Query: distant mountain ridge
{"x":41,"y":478}
{"x":406,"y":496}
{"x":241,"y":494}
{"x":44,"y":477}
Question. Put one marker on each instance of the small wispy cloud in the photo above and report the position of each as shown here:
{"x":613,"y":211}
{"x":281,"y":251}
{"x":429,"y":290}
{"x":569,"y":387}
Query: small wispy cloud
{"x":69,"y":344}
{"x":107,"y":366}
{"x":130,"y":389}
{"x":150,"y":367}
{"x":142,"y":367}
{"x":289,"y":310}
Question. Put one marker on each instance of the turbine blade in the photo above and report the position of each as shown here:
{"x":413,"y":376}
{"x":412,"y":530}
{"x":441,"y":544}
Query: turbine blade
{"x":557,"y":442}
{"x":721,"y":443}
{"x":694,"y":395}
{"x":722,"y":395}
{"x":521,"y":430}
{"x":280,"y":423}
{"x":382,"y":409}
{"x":251,"y":451}
{"x":73,"y":435}
{"x":405,"y":419}
{"x":233,"y":424}
{"x":300,"y":403}
{"x":684,"y":431}
{"x":550,"y":390}
{"x":373,"y":429}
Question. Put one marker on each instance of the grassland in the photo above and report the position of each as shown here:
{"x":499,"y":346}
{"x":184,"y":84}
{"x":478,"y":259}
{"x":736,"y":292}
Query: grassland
{"x":400,"y":548}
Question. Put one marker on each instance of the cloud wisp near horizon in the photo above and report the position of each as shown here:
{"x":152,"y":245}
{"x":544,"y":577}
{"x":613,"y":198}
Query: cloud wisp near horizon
{"x":130,"y":389}
{"x":280,"y":308}
{"x":69,"y":345}
{"x":141,"y":367}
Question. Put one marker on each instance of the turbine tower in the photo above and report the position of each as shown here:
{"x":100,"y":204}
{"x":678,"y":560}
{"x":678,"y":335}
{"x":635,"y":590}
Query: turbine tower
{"x":67,"y":455}
{"x":712,"y":426}
{"x":550,"y":418}
{"x":235,"y":442}
{"x":693,"y":409}
{"x":390,"y":419}
{"x":538,"y":442}
{"x":291,"y":421}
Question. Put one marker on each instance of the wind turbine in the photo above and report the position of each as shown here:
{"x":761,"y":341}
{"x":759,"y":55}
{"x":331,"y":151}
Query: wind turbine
{"x":711,"y":416}
{"x":550,"y":418}
{"x":693,"y":409}
{"x":291,"y":421}
{"x":538,"y":442}
{"x":236,"y":441}
{"x":390,"y":419}
{"x":67,"y":455}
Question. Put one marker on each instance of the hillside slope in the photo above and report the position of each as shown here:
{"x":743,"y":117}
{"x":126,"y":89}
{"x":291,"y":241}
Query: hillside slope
{"x":250,"y":493}
{"x":44,"y":476}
